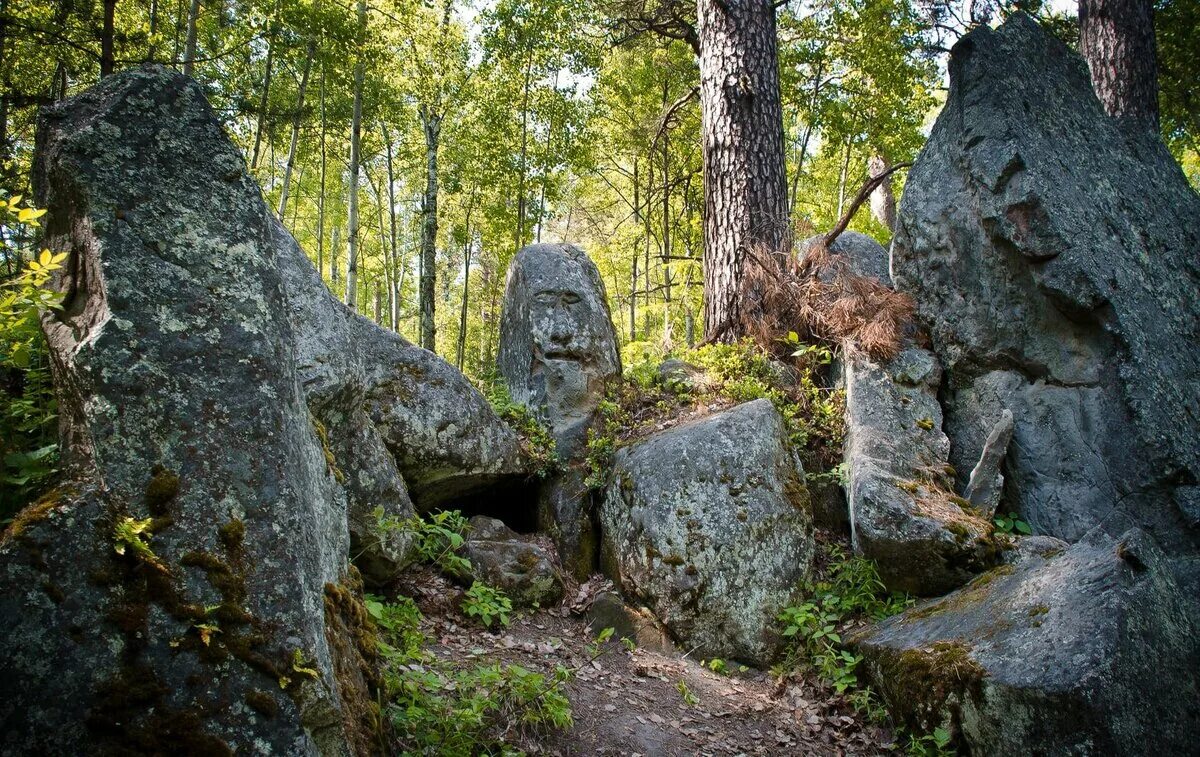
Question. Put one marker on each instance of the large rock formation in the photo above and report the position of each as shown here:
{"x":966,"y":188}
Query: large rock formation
{"x":1054,"y":262}
{"x":1053,"y":259}
{"x":558,"y":356}
{"x":860,"y":253}
{"x":518,"y":565}
{"x":181,"y":403}
{"x":230,"y":430}
{"x":708,"y":524}
{"x":904,"y":514}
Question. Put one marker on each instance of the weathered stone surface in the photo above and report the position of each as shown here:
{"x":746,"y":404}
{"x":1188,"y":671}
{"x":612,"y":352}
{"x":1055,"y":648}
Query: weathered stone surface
{"x":1091,"y":650}
{"x":181,"y":402}
{"x":447,"y":440}
{"x":518,"y":565}
{"x":1053,"y":259}
{"x":558,"y":356}
{"x":987,"y":481}
{"x":903,"y":512}
{"x":863,"y":256}
{"x":708,"y":525}
{"x":638,"y":625}
{"x":566,"y":511}
{"x":558,"y":350}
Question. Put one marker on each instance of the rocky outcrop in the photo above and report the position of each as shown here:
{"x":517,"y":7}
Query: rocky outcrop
{"x":518,"y":565}
{"x":1053,"y":259}
{"x":1091,"y":650}
{"x":177,"y":594}
{"x":558,"y":350}
{"x":558,"y":356}
{"x":708,"y":525}
{"x":904,"y":514}
{"x":636,"y":624}
{"x":1054,"y":262}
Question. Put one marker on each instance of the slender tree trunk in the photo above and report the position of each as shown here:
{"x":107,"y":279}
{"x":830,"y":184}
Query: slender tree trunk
{"x":355,"y":140}
{"x":291,"y":159}
{"x":265,"y":99}
{"x":883,"y":199}
{"x":666,"y":224}
{"x":541,"y":217}
{"x":524,"y":150}
{"x":321,"y":197}
{"x":1116,"y":38}
{"x":107,"y":58}
{"x":4,"y":153}
{"x":189,"y":45}
{"x":431,"y":125}
{"x":843,"y":177}
{"x":397,"y":276}
{"x":335,"y":242}
{"x":462,"y":315}
{"x":150,"y":51}
{"x":633,"y":288}
{"x":742,"y":133}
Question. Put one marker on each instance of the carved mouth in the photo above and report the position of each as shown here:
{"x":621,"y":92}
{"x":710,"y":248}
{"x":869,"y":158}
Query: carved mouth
{"x":560,"y":355}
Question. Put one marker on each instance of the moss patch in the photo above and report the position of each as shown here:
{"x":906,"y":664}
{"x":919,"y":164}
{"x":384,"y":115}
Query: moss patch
{"x":330,"y":460}
{"x":34,"y":513}
{"x":162,"y":489}
{"x":926,"y":687}
{"x":354,"y":646}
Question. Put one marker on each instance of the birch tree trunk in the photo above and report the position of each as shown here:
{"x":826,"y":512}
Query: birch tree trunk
{"x":745,"y":186}
{"x":432,"y":126}
{"x":397,"y":277}
{"x":291,"y":158}
{"x":355,"y":141}
{"x":883,"y":199}
{"x":189,"y":45}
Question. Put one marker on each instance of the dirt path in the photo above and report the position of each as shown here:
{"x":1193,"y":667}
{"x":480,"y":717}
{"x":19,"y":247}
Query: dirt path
{"x":632,"y":702}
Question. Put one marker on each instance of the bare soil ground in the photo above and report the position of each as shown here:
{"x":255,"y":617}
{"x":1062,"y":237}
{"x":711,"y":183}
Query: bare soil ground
{"x":632,"y":702}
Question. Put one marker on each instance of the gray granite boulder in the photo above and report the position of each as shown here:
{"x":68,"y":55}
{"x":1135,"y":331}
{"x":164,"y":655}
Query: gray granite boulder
{"x":708,"y":525}
{"x":860,"y":253}
{"x":558,"y":349}
{"x":1089,"y":649}
{"x":1053,"y":259}
{"x":523,"y":568}
{"x":904,"y":514}
{"x":174,"y":595}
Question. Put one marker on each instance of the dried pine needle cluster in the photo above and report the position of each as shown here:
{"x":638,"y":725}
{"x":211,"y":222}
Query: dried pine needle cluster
{"x":817,"y":295}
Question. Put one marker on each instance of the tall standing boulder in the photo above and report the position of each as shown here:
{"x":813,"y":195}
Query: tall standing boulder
{"x":188,"y":589}
{"x":709,"y":525}
{"x":904,"y":513}
{"x":558,"y":348}
{"x":1053,"y":259}
{"x":558,"y":356}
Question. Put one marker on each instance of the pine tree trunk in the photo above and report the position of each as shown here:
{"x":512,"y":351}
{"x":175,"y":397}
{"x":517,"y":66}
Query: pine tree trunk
{"x":291,"y":159}
{"x":355,"y":143}
{"x":397,"y":276}
{"x":1116,"y":38}
{"x":189,"y":45}
{"x":153,"y":31}
{"x":432,"y":125}
{"x":265,"y":98}
{"x":107,"y":61}
{"x":742,"y":128}
{"x":462,"y":315}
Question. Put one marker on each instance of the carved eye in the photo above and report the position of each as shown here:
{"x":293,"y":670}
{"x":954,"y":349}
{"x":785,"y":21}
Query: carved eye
{"x":570,"y":298}
{"x":546,"y":298}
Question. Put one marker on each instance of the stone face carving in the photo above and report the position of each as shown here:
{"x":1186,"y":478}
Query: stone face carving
{"x":558,"y":348}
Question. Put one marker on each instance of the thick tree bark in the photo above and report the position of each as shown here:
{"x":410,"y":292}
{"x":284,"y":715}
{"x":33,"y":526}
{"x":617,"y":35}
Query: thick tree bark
{"x":1116,"y":38}
{"x":744,"y":174}
{"x":432,"y":126}
{"x":291,"y":159}
{"x":355,"y":159}
{"x":189,"y":45}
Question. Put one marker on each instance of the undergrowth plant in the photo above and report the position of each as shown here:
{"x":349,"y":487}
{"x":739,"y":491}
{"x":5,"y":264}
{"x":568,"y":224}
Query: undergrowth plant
{"x":434,"y":708}
{"x":487,"y":604}
{"x":28,"y":410}
{"x":536,"y":439}
{"x":850,"y":589}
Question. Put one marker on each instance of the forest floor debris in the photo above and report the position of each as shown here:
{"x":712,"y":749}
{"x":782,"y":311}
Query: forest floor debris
{"x":636,"y":701}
